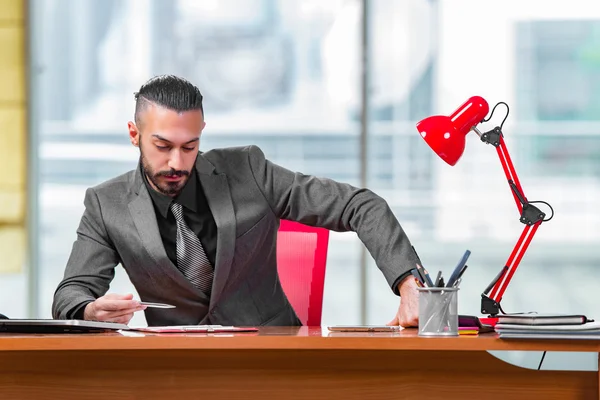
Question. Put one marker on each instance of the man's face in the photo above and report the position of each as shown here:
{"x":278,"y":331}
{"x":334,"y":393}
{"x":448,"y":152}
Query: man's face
{"x":168,"y":143}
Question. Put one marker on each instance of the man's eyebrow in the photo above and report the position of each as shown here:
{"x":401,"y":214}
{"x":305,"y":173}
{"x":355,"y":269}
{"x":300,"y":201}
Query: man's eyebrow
{"x":168,"y":141}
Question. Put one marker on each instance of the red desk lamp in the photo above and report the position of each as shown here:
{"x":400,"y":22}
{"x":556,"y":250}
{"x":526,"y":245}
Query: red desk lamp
{"x":446,"y":136}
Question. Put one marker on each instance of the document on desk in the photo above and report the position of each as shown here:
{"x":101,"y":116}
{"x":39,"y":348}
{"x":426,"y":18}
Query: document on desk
{"x":587,"y":328}
{"x":364,"y":328}
{"x":560,"y":336}
{"x":589,"y":331}
{"x":194,"y":329}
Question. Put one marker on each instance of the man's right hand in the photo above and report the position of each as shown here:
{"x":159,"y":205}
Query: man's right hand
{"x":112,"y":307}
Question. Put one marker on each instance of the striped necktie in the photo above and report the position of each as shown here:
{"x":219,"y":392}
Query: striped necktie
{"x":191,"y":258}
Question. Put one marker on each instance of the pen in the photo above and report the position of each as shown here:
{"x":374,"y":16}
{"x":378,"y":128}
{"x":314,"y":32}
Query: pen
{"x":462,"y":271}
{"x":417,"y":276}
{"x":426,"y":277}
{"x":423,"y":272}
{"x":458,"y":268}
{"x":156,"y":305}
{"x":437,"y":279}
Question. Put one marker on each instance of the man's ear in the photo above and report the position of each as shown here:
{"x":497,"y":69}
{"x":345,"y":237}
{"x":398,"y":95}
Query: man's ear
{"x":134,"y":134}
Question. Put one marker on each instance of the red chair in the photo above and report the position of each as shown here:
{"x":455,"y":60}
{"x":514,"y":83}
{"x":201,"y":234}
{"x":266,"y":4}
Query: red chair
{"x":301,"y":260}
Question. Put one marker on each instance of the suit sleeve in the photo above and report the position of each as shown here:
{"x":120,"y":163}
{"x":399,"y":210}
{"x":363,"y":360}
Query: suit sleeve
{"x":338,"y":207}
{"x":91,"y":265}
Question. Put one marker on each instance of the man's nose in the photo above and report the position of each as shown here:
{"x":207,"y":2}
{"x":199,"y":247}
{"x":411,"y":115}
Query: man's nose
{"x":175,"y":161}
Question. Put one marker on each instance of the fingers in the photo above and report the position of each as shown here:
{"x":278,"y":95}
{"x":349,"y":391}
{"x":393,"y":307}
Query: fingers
{"x":118,"y":316}
{"x":114,"y":308}
{"x":123,"y":319}
{"x":410,"y":321}
{"x":393,"y":322}
{"x":116,"y":296}
{"x":116,"y":305}
{"x":116,"y":302}
{"x":104,"y":313}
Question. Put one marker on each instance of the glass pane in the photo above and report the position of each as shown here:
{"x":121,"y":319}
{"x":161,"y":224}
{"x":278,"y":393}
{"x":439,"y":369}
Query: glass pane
{"x":558,"y":64}
{"x":268,"y":71}
{"x":538,"y":57}
{"x":401,"y":167}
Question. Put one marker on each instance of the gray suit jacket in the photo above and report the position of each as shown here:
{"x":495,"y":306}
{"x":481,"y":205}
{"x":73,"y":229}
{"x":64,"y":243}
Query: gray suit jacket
{"x":247,"y":195}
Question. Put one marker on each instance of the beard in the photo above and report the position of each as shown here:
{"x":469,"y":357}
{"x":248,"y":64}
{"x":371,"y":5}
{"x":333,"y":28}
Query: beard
{"x":171,"y":189}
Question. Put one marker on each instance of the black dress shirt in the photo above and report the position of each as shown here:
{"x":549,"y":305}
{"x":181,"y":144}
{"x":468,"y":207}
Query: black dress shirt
{"x":196,"y":213}
{"x":197,"y":216}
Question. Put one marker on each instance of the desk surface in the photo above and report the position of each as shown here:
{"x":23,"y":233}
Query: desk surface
{"x":282,"y":338}
{"x":281,"y":363}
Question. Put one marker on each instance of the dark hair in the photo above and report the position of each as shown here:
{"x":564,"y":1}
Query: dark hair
{"x":168,"y":91}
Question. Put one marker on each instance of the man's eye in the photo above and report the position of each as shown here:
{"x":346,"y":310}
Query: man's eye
{"x":188,"y":148}
{"x":161,"y":147}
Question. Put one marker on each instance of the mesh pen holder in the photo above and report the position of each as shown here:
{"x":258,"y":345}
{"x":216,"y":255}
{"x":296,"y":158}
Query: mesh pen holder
{"x":438,"y":311}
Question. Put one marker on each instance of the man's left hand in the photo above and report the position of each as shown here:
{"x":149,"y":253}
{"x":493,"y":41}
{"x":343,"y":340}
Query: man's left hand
{"x":408,"y":311}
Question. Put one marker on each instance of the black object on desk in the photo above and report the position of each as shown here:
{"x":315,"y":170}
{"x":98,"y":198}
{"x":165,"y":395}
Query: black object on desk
{"x":57,"y":326}
{"x":472,"y":321}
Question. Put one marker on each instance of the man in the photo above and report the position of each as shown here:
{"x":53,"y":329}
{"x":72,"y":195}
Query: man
{"x":198,"y":229}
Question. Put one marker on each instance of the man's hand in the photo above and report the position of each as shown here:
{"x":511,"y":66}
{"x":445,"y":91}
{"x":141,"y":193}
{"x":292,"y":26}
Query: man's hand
{"x":408,"y":312}
{"x":112,"y":308}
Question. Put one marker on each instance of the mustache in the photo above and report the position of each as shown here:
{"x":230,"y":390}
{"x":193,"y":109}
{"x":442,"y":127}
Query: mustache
{"x":172,"y":173}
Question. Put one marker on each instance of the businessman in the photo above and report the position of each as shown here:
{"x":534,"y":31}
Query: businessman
{"x":198,"y":229}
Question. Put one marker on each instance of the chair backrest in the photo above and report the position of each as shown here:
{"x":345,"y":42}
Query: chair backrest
{"x":301,"y":260}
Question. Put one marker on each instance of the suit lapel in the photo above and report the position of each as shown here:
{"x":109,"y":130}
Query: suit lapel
{"x":218,"y":195}
{"x":144,"y":218}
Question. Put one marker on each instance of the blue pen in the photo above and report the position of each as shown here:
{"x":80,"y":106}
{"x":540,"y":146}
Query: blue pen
{"x":459,"y":267}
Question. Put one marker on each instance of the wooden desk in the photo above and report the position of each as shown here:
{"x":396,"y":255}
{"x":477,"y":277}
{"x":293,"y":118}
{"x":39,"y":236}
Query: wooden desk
{"x":280,"y":363}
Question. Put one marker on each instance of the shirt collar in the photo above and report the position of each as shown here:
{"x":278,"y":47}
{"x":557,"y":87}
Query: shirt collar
{"x":187,"y":198}
{"x":189,"y":194}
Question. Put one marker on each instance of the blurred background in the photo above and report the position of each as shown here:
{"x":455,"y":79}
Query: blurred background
{"x":287,"y":75}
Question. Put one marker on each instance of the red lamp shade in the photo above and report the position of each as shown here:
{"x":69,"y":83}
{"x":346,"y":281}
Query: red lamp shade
{"x":446,"y":135}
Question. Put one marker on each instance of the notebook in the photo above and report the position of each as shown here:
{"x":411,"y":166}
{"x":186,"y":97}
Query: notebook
{"x":543,"y":319}
{"x":468,"y":330}
{"x":563,"y":336}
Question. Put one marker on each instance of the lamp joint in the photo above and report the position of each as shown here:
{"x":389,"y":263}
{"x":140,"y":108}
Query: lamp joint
{"x":489,"y":306}
{"x":531,"y":214}
{"x":492,"y":137}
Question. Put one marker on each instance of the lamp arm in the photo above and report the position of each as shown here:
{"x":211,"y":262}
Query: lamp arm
{"x":531,"y":216}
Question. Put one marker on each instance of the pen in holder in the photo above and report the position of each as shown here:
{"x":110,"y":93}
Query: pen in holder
{"x":438,"y":311}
